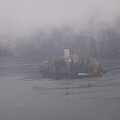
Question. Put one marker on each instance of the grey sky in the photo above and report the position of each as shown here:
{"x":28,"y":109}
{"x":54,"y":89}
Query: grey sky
{"x":23,"y":15}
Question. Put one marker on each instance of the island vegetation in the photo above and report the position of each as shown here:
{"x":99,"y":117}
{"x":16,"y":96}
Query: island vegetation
{"x":70,"y":66}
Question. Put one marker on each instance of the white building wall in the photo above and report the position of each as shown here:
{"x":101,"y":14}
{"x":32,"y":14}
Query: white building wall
{"x":66,"y":54}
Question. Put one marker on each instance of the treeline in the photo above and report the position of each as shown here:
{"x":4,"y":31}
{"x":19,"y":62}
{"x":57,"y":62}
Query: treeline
{"x":101,"y":41}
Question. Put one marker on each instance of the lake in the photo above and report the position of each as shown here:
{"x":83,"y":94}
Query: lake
{"x":24,"y":95}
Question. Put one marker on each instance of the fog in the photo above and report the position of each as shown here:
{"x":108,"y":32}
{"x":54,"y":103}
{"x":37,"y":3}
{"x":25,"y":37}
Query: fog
{"x":46,"y":27}
{"x":26,"y":15}
{"x":33,"y":30}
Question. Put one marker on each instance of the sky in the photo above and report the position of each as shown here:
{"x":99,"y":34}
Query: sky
{"x":22,"y":16}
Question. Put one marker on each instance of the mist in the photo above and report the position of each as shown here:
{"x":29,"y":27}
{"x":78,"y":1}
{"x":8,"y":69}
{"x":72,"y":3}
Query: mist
{"x":46,"y":28}
{"x":33,"y":36}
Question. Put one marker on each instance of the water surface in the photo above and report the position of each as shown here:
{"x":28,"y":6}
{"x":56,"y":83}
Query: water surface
{"x":24,"y":95}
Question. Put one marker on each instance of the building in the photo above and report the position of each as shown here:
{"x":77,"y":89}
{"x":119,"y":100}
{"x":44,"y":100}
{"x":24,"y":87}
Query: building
{"x":66,"y":54}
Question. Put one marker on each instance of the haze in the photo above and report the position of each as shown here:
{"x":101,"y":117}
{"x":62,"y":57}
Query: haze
{"x":34,"y":34}
{"x":47,"y":27}
{"x":23,"y":16}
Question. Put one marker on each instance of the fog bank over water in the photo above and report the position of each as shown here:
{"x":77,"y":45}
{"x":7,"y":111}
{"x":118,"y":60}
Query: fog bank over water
{"x":33,"y":30}
{"x":47,"y":27}
{"x":20,"y":16}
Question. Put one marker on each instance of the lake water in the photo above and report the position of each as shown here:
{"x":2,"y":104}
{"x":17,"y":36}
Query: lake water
{"x":24,"y":95}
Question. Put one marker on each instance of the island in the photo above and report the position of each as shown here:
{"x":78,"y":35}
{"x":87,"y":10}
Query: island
{"x":71,"y":66}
